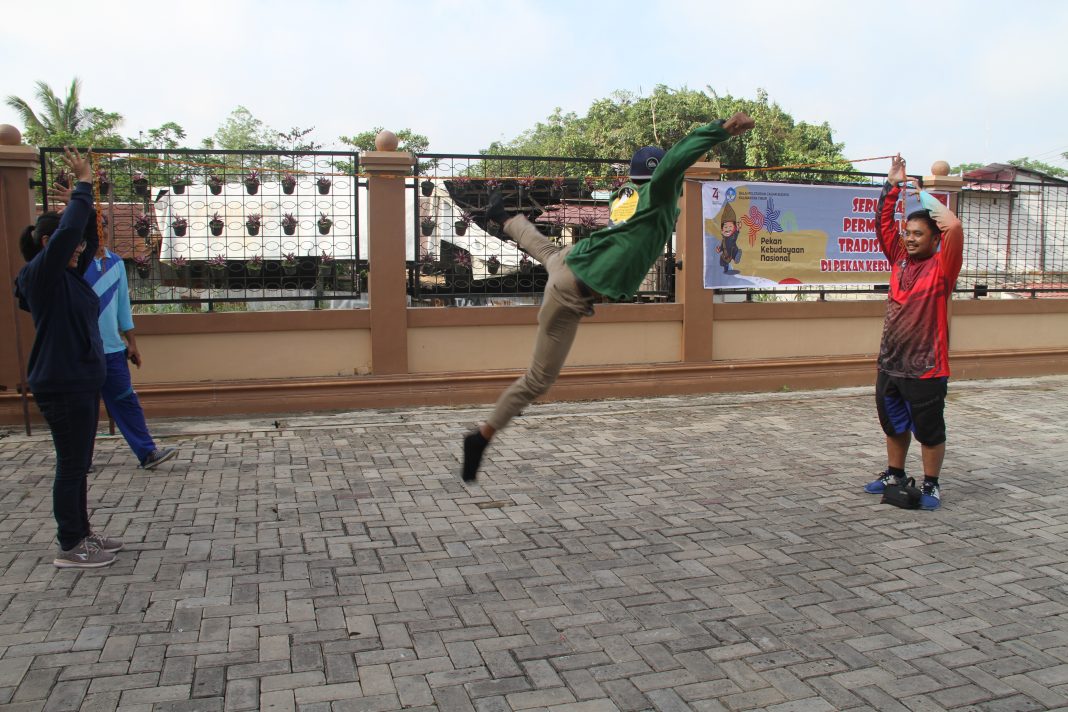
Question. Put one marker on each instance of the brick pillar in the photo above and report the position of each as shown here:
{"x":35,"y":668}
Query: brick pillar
{"x":18,"y":164}
{"x":386,"y":169}
{"x":689,"y":283}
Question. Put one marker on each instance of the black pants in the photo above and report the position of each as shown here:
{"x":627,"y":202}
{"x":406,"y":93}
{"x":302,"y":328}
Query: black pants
{"x":72,"y":418}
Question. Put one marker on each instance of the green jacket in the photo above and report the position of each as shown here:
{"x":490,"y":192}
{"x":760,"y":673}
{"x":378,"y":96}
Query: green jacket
{"x":614,"y":260}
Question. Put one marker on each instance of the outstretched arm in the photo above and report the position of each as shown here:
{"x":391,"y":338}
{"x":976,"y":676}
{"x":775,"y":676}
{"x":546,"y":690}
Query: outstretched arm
{"x":666,"y":182}
{"x":951,"y":254}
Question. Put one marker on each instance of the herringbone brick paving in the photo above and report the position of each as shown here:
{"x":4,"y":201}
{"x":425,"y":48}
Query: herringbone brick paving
{"x":693,"y":553}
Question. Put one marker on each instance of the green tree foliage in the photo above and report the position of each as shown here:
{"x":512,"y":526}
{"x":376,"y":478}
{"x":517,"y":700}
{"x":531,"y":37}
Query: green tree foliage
{"x":407,"y":140}
{"x":63,"y":121}
{"x":617,"y":125}
{"x":241,"y":131}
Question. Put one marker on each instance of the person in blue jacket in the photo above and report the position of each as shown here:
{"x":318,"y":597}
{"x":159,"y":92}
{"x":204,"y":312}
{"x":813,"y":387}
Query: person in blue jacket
{"x":66,"y":364}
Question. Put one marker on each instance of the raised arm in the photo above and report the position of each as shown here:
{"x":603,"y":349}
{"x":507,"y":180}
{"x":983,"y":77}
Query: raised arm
{"x":886,"y":226}
{"x":951,"y":253}
{"x":72,"y":223}
{"x":667,"y":178}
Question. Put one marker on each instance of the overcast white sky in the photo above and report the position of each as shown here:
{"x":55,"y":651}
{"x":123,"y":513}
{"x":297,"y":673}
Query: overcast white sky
{"x":961,"y":81}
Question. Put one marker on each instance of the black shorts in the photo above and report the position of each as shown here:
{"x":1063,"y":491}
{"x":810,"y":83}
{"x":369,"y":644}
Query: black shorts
{"x":916,"y":404}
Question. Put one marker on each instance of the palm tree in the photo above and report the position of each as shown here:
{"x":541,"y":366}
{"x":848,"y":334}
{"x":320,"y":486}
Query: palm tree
{"x":61,"y":117}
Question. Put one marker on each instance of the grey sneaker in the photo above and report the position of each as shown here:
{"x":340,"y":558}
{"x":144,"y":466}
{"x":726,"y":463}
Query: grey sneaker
{"x":86,"y":555}
{"x":110,"y":544}
{"x":158,"y":457}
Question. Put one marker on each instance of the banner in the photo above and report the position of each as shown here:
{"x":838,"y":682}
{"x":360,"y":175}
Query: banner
{"x":768,"y":234}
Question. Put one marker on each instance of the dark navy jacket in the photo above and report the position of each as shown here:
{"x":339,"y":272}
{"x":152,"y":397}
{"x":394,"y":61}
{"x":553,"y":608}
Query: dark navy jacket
{"x":67,"y":354}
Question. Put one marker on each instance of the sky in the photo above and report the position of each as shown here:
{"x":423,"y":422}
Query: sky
{"x":961,"y":81}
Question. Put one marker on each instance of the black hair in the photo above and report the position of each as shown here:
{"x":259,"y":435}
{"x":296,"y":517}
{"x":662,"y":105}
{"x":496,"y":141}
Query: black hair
{"x":925,"y":216}
{"x":30,"y":239}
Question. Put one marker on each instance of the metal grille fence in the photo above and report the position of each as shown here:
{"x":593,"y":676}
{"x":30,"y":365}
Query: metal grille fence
{"x":459,"y":263}
{"x":231,"y":230}
{"x":1016,"y":237}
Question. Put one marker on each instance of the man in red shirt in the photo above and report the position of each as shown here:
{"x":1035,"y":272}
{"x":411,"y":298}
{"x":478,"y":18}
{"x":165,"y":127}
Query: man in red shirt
{"x":910,"y":390}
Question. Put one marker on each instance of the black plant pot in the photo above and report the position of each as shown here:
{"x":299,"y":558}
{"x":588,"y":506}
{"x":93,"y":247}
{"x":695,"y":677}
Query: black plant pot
{"x":460,"y":228}
{"x":178,"y":231}
{"x":216,"y":229}
{"x":252,"y":188}
{"x":426,"y":188}
{"x":323,"y":189}
{"x":427,"y":230}
{"x":253,"y":229}
{"x":289,"y":229}
{"x":493,"y":267}
{"x":141,"y":187}
{"x":104,"y":188}
{"x":178,"y":189}
{"x":288,"y":188}
{"x":324,"y":228}
{"x":142,"y":231}
{"x":144,"y":272}
{"x":215,"y":189}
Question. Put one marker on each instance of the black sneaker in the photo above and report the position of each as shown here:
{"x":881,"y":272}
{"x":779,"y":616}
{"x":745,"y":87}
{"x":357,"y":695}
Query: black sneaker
{"x":474,"y":445}
{"x":493,"y":217}
{"x":158,"y":457}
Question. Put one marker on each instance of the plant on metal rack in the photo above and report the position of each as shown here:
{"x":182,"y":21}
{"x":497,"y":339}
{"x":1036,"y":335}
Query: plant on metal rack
{"x":289,"y":183}
{"x":142,"y":225}
{"x":323,"y":184}
{"x":324,"y":223}
{"x":217,"y":263}
{"x":252,"y":182}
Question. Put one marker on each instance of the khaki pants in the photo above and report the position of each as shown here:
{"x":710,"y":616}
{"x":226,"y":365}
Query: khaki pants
{"x":561,"y":309}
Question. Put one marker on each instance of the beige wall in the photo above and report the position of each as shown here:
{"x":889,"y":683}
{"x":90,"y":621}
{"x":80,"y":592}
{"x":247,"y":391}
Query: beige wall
{"x":788,"y":338}
{"x":171,"y":358}
{"x":1008,"y":331}
{"x":481,"y":348}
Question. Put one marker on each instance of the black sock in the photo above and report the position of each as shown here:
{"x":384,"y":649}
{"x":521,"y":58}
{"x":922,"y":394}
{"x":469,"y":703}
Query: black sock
{"x":896,"y":472}
{"x":927,"y":479}
{"x":474,"y":445}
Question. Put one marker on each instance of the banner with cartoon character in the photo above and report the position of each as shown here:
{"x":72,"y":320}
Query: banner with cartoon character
{"x":767,"y":234}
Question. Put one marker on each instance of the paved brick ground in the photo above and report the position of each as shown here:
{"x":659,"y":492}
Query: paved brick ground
{"x":701,"y":553}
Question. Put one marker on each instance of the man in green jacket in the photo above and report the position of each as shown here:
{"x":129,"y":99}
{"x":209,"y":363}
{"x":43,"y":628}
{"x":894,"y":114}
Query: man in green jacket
{"x":610,"y":263}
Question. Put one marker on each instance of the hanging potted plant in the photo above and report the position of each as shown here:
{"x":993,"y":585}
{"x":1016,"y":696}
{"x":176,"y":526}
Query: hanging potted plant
{"x":143,"y":264}
{"x":254,"y":265}
{"x":427,"y":225}
{"x":289,"y":264}
{"x":252,"y":182}
{"x":428,"y":262}
{"x":180,"y":266}
{"x":103,"y":182}
{"x":178,"y":184}
{"x":62,"y":179}
{"x":460,"y":226}
{"x":525,"y":265}
{"x":492,"y":184}
{"x":216,"y":225}
{"x":326,"y":267}
{"x":178,"y":226}
{"x":427,"y":188}
{"x":587,"y":225}
{"x":323,"y":184}
{"x":289,"y":224}
{"x":324,"y":223}
{"x":556,"y":190}
{"x":289,"y":183}
{"x":140,"y":183}
{"x":493,"y":265}
{"x":217,"y":265}
{"x":215,"y":184}
{"x":142,"y":225}
{"x":253,"y":222}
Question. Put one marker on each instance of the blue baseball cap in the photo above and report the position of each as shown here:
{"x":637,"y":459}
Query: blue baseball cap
{"x":645,"y":161}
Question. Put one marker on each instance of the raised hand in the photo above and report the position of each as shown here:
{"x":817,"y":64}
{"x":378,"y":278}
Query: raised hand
{"x":82,"y":168}
{"x":897,"y":170}
{"x":738,"y":124}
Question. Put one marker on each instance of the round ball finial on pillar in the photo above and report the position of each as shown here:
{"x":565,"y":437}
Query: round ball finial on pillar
{"x":940,"y":168}
{"x":386,"y":141}
{"x":9,"y":135}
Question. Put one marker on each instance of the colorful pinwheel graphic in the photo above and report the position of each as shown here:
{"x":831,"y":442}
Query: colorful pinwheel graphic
{"x":755,"y":222}
{"x":771,"y":219}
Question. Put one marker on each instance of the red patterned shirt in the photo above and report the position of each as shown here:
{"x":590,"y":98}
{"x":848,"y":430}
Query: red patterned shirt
{"x":915,"y":340}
